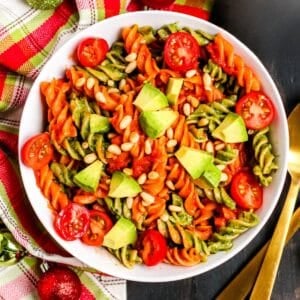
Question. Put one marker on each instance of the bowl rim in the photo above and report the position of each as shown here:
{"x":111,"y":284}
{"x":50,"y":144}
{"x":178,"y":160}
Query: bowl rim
{"x":182,"y":18}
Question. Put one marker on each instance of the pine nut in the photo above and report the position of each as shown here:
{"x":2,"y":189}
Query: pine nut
{"x":219,"y":146}
{"x":125,"y":122}
{"x":130,"y":67}
{"x":107,"y":181}
{"x":190,"y":73}
{"x":170,"y":185}
{"x":100,"y":97}
{"x":174,"y":208}
{"x":122,"y":84}
{"x":110,"y":83}
{"x":203,"y":122}
{"x":85,"y":145}
{"x":114,"y":149}
{"x":153,"y":175}
{"x":195,"y":102}
{"x":131,"y":57}
{"x":80,"y":82}
{"x":224,"y":177}
{"x":129,"y":202}
{"x":126,"y":146}
{"x":187,"y":109}
{"x":111,"y":135}
{"x":221,"y":167}
{"x":89,"y":158}
{"x":134,"y":137}
{"x":113,"y":90}
{"x":170,"y":133}
{"x":90,"y":83}
{"x":148,"y":147}
{"x":148,"y":198}
{"x":128,"y":171}
{"x":142,"y":178}
{"x":164,"y":217}
{"x":207,"y":82}
{"x":209,"y":147}
{"x":171,"y":143}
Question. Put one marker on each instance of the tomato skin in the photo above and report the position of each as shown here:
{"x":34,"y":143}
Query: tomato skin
{"x":256,"y":109}
{"x":72,"y":222}
{"x":246,"y":191}
{"x":100,"y":224}
{"x":37,"y":151}
{"x":158,"y":4}
{"x":153,"y":247}
{"x":91,"y":51}
{"x":181,"y":51}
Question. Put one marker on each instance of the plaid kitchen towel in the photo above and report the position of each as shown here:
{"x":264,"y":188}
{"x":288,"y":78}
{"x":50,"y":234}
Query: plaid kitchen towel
{"x":28,"y":37}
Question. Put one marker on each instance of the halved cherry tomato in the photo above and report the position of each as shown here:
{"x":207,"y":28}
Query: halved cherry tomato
{"x":256,"y":109}
{"x":100,"y":224}
{"x":152,"y":247}
{"x":91,"y":51}
{"x":246,"y":191}
{"x":181,"y":51}
{"x":72,"y":222}
{"x":158,"y":4}
{"x":37,"y":151}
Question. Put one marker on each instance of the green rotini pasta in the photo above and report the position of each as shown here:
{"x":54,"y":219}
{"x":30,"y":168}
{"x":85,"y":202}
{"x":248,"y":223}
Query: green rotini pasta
{"x":180,"y":217}
{"x":264,"y":157}
{"x":223,"y":240}
{"x":118,"y":207}
{"x":226,"y":155}
{"x":218,"y":195}
{"x":127,"y":256}
{"x":63,"y":174}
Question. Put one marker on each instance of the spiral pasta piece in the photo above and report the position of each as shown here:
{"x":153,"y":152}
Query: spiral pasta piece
{"x":183,"y":257}
{"x":223,"y":53}
{"x":53,"y":191}
{"x":126,"y":255}
{"x":223,"y":240}
{"x":265,"y":159}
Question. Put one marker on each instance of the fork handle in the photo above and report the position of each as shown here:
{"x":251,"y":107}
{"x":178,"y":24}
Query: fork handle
{"x":267,"y":275}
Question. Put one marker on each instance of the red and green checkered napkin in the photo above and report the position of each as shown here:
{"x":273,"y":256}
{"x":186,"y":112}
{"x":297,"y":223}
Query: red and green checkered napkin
{"x":28,"y":38}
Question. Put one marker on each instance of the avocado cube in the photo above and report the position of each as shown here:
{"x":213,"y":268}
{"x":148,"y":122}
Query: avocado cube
{"x":122,"y":185}
{"x":88,"y":178}
{"x":173,"y":89}
{"x":155,"y":123}
{"x":150,"y":98}
{"x":193,"y":160}
{"x":231,"y":130}
{"x":210,"y":178}
{"x":99,"y":124}
{"x":123,"y":233}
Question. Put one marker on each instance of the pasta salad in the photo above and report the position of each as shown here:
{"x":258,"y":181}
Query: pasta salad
{"x":156,"y":147}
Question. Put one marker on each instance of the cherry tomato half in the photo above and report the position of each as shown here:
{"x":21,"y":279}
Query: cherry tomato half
{"x":37,"y":151}
{"x":153,"y":247}
{"x":158,"y":4}
{"x":246,"y":191}
{"x":72,"y":222}
{"x":181,"y":51}
{"x":91,"y":51}
{"x":256,"y":109}
{"x":100,"y":224}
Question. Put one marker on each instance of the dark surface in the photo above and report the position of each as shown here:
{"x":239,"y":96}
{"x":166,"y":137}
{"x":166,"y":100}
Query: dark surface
{"x":271,"y":30}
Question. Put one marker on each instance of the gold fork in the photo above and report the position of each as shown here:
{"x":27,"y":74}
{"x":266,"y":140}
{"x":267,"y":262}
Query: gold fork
{"x":267,"y":275}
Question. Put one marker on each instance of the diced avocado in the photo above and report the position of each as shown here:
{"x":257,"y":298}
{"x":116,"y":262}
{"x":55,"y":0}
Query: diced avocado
{"x":123,"y":185}
{"x":231,"y":130}
{"x":155,"y":123}
{"x":150,"y":98}
{"x":88,"y":178}
{"x":173,"y":89}
{"x":210,"y":178}
{"x":122,"y":234}
{"x":99,"y":124}
{"x":193,"y":160}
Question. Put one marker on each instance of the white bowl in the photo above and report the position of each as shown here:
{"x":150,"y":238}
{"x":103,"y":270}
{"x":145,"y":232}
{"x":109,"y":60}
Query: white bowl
{"x":32,"y":123}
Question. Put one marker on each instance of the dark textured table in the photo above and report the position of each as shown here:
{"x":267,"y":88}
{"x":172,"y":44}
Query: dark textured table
{"x":271,"y":30}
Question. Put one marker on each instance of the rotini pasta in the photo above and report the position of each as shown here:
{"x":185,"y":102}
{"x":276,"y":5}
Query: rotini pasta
{"x":171,"y":175}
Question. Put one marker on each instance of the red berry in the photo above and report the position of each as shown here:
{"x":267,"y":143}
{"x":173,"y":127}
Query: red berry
{"x":59,"y":283}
